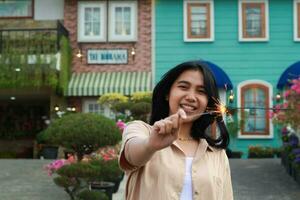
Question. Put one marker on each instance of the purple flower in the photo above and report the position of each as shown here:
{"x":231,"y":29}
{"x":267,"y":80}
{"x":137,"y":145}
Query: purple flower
{"x":296,"y":151}
{"x":293,"y":140}
{"x":297,"y":160}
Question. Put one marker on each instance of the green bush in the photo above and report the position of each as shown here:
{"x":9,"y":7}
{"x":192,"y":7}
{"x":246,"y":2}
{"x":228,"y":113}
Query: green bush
{"x":141,"y":97}
{"x":260,"y":152}
{"x":76,"y":177}
{"x":81,"y":132}
{"x":92,"y":195}
{"x":141,"y":111}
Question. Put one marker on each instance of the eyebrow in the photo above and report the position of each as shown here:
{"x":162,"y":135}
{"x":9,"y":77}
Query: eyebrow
{"x":188,"y":83}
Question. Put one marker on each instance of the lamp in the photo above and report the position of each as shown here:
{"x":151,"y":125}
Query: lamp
{"x":79,"y":54}
{"x":71,"y":109}
{"x":231,"y":97}
{"x":133,"y":53}
{"x":278,"y":97}
{"x":56,"y":108}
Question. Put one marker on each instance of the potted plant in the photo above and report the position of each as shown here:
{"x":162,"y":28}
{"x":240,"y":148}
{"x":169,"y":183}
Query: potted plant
{"x":46,"y":149}
{"x":82,"y":133}
{"x":111,"y":171}
{"x":260,"y":152}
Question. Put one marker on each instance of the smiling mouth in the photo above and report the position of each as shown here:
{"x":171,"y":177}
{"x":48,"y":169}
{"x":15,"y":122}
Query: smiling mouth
{"x":188,"y":108}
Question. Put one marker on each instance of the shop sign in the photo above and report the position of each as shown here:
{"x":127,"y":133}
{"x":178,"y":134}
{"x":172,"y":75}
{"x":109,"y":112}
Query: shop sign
{"x":107,"y":56}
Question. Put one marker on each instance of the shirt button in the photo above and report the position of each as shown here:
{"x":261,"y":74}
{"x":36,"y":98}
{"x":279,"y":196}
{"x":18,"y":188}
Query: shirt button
{"x":196,"y":193}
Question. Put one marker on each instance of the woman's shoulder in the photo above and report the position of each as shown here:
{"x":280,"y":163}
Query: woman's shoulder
{"x":138,"y":124}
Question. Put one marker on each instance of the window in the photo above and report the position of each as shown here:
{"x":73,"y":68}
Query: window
{"x":198,"y":21}
{"x":92,"y":106}
{"x":94,"y":23}
{"x":123,"y":17}
{"x":297,"y":20}
{"x":253,"y":20}
{"x":16,"y":9}
{"x":255,"y":102}
{"x":91,"y":21}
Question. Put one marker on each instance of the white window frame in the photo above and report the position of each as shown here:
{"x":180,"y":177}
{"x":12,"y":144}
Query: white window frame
{"x":185,"y":23}
{"x":80,"y":22}
{"x":239,"y":103}
{"x":241,"y":38}
{"x":296,"y":22}
{"x":117,"y":38}
{"x":85,"y":107}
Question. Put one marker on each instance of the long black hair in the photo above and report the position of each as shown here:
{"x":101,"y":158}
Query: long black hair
{"x":160,"y":106}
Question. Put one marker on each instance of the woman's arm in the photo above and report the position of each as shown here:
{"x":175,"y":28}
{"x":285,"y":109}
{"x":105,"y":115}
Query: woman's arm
{"x":139,"y":150}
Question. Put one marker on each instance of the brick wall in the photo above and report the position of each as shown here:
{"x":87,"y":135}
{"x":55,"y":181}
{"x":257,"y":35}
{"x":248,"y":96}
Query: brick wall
{"x":142,"y":60}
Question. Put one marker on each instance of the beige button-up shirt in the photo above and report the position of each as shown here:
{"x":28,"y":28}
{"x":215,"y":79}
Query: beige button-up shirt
{"x":162,"y":177}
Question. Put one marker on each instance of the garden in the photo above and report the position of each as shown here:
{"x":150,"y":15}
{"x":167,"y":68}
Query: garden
{"x":92,"y":143}
{"x":287,"y":116}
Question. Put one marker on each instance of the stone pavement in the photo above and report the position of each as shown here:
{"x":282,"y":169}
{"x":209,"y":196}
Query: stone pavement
{"x":253,"y":179}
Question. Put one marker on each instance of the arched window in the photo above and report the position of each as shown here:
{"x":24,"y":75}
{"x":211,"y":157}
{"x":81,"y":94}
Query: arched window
{"x":254,"y":112}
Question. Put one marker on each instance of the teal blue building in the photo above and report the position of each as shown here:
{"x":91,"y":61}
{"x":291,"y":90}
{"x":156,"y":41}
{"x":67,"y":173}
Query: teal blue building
{"x":254,"y":42}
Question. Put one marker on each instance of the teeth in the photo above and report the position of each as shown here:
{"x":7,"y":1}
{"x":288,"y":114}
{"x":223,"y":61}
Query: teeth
{"x":188,"y":108}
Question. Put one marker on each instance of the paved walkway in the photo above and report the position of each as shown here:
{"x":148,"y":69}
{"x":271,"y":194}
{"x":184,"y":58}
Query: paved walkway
{"x":253,"y":179}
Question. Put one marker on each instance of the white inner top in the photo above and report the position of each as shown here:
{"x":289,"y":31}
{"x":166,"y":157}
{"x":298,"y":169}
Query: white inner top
{"x":187,"y":190}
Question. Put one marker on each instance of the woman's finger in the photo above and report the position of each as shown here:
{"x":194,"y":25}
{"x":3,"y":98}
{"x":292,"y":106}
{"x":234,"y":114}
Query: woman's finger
{"x":168,"y":125}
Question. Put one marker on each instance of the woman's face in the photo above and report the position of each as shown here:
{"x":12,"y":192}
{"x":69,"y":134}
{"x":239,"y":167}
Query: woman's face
{"x":188,"y":93}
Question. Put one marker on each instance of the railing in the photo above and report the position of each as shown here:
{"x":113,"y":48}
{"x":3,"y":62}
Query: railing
{"x":32,"y":41}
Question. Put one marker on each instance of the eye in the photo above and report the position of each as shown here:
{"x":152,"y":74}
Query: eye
{"x":201,"y":91}
{"x":182,"y":86}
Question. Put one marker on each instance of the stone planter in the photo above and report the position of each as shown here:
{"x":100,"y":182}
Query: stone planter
{"x":117,"y":183}
{"x":106,"y":187}
{"x":49,"y":152}
{"x":233,"y":154}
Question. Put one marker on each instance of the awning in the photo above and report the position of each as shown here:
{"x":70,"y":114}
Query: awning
{"x":223,"y":81}
{"x":98,"y":83}
{"x":292,"y":72}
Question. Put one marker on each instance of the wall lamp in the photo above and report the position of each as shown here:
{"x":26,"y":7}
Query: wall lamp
{"x":278,"y":97}
{"x":79,"y":52}
{"x":133,"y":53}
{"x":231,"y":97}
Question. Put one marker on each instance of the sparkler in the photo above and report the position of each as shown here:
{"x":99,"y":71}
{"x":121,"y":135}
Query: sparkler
{"x":220,"y":108}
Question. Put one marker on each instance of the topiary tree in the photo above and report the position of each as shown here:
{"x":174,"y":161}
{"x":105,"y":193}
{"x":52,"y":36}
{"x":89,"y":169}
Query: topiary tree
{"x":82,"y":132}
{"x":141,"y":105}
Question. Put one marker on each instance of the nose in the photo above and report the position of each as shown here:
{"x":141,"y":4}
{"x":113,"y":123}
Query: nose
{"x":190,"y":97}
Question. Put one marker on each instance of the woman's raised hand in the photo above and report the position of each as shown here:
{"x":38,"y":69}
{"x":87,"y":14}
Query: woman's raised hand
{"x":165,"y":132}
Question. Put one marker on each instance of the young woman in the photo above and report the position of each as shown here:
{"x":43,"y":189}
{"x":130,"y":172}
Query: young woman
{"x":175,"y":157}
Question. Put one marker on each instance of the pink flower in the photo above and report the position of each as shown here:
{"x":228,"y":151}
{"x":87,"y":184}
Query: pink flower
{"x":55,"y":165}
{"x":121,"y":125}
{"x":287,"y":93}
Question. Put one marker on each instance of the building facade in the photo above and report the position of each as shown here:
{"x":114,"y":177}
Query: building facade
{"x":33,"y":52}
{"x":111,"y":48}
{"x":252,"y":41}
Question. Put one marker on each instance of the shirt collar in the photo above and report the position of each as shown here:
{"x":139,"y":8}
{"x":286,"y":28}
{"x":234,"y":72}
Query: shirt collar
{"x":206,"y":146}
